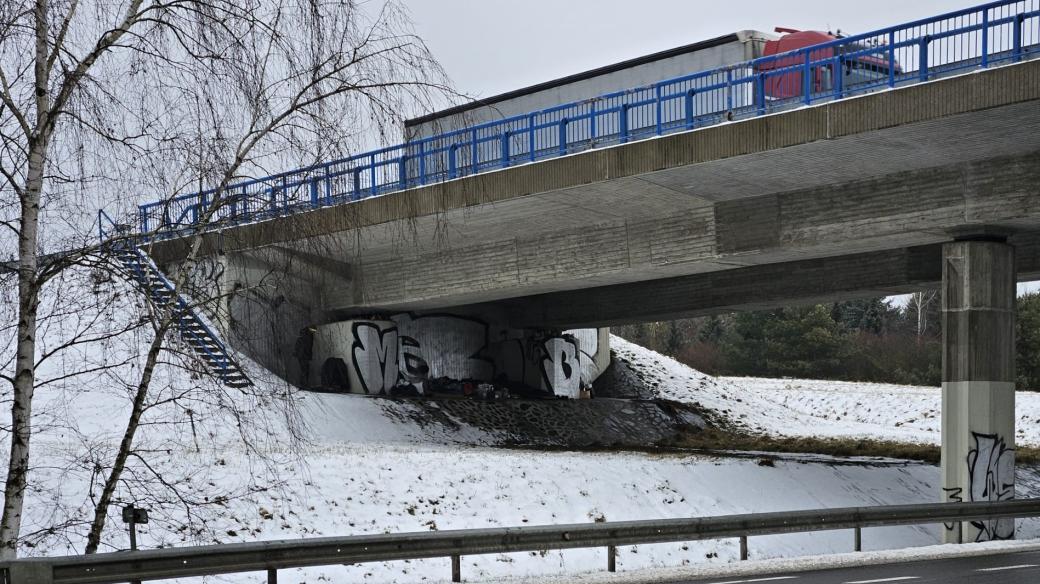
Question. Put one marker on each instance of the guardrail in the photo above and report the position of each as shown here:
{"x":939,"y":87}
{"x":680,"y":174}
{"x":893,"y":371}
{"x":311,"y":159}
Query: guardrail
{"x":991,"y":34}
{"x":271,"y":556}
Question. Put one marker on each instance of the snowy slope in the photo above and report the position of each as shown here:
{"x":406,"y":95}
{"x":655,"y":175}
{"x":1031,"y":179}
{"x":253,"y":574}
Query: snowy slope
{"x":354,"y":489}
{"x":360,"y":467}
{"x":800,"y":407}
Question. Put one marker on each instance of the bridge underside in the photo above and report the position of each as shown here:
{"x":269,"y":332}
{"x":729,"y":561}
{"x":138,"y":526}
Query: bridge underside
{"x":848,"y":197}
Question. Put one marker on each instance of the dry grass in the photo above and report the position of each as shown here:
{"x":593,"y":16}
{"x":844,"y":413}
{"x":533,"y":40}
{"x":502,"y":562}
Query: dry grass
{"x":713,"y":439}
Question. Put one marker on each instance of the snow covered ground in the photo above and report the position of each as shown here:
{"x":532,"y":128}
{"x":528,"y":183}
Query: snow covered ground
{"x":803,"y":407}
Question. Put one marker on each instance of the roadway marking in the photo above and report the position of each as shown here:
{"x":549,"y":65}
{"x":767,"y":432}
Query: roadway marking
{"x":757,"y":580}
{"x":1018,"y":567}
{"x":897,"y":579}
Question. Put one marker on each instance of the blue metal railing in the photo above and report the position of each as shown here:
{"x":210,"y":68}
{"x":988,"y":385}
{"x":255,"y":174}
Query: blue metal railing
{"x":983,"y":36}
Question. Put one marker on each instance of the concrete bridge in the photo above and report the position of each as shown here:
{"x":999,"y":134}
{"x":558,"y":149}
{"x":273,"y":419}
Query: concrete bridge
{"x":925,"y":185}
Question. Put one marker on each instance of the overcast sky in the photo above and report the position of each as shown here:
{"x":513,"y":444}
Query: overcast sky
{"x":492,"y":46}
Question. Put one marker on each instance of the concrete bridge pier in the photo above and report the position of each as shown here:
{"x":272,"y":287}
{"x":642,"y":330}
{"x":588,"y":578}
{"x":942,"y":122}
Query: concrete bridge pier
{"x":978,"y":400}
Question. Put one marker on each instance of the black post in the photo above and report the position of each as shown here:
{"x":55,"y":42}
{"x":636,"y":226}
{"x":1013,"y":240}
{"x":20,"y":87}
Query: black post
{"x":133,"y":535}
{"x":132,"y":516}
{"x":743,"y":547}
{"x":133,"y":531}
{"x":611,"y":558}
{"x":456,"y":569}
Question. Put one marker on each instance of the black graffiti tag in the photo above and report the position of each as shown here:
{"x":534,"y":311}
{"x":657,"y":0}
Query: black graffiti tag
{"x":991,"y":472}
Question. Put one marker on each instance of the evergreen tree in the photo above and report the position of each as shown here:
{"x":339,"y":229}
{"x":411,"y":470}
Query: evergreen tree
{"x":1028,"y":342}
{"x":711,"y":330}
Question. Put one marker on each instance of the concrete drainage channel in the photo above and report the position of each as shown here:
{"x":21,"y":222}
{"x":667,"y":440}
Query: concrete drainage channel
{"x":272,"y":556}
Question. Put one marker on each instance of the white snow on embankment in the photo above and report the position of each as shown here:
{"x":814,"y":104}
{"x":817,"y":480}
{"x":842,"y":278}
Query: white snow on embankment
{"x":366,"y":469}
{"x":806,"y":407}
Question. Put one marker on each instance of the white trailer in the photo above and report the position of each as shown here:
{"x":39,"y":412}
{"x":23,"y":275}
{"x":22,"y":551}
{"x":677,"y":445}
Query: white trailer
{"x":643,"y":71}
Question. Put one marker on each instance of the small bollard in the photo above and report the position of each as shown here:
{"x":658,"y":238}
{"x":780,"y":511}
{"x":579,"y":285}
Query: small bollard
{"x":272,"y":576}
{"x":456,"y":568}
{"x":611,"y":558}
{"x":743,"y":547}
{"x":859,"y":538}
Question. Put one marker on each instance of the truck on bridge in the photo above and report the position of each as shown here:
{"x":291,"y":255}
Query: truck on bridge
{"x":736,"y":49}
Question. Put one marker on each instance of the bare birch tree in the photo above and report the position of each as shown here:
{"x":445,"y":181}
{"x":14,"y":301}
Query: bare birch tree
{"x":111,"y":102}
{"x":920,"y":301}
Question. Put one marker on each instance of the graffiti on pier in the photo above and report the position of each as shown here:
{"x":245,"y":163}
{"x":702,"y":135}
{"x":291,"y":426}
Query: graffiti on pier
{"x":374,"y":354}
{"x":438,"y":345}
{"x":561,"y":369}
{"x":991,"y":477}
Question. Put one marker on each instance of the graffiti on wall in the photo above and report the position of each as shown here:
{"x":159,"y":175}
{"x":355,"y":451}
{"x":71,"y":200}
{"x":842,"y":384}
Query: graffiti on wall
{"x":416,"y":349}
{"x":561,"y":368}
{"x":374,"y":355}
{"x":991,"y":477}
{"x":438,"y":345}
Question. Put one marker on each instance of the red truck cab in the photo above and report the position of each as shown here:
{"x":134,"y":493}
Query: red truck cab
{"x":787,"y":82}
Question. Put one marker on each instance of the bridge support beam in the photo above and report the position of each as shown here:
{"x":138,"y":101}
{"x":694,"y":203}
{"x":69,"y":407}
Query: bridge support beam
{"x":978,"y":399}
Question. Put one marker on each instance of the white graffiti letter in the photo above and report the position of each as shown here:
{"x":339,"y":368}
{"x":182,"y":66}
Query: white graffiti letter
{"x":561,"y":369}
{"x":375,"y":357}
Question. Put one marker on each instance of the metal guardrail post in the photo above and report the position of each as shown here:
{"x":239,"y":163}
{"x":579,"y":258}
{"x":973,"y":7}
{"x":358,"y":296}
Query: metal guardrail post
{"x":923,"y":59}
{"x":807,"y":79}
{"x":1016,"y":38}
{"x":372,"y":174}
{"x":760,"y":93}
{"x":592,"y":121}
{"x":657,"y":108}
{"x":422,"y":162}
{"x":314,"y":191}
{"x":623,"y":122}
{"x":892,"y":58}
{"x":272,"y":576}
{"x":563,"y":136}
{"x":858,"y":539}
{"x":531,"y":149}
{"x":456,"y":568}
{"x":689,"y":108}
{"x":743,"y":548}
{"x":985,"y":38}
{"x":505,"y":148}
{"x":611,"y":558}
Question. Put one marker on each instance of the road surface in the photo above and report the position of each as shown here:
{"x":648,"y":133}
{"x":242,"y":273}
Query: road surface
{"x":1012,"y":568}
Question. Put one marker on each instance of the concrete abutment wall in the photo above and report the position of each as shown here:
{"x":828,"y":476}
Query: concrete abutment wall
{"x":377,"y":355}
{"x":262,"y":308}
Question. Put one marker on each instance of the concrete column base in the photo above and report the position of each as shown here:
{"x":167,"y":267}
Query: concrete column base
{"x":978,"y":464}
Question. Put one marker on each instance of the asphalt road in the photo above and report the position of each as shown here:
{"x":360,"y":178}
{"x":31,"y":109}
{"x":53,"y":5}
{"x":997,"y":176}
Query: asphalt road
{"x":1014,"y":568}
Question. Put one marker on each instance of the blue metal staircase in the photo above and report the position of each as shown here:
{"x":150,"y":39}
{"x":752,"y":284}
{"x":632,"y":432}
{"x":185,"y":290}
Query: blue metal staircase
{"x":192,"y":328}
